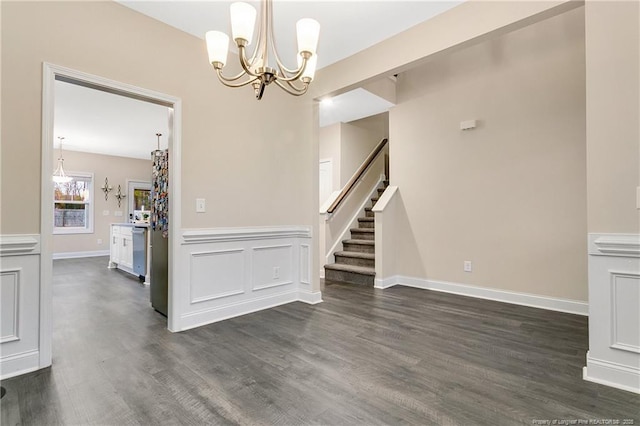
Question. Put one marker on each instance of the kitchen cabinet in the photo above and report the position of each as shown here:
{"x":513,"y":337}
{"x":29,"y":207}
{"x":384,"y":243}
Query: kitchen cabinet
{"x":122,"y":246}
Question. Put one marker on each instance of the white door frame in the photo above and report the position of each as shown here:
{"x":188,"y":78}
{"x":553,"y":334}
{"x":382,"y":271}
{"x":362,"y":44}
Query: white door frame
{"x":50,"y":74}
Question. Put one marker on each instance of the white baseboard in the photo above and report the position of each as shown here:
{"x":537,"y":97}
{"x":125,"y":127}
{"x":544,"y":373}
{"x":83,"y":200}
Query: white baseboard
{"x":612,"y":374}
{"x":79,"y":254}
{"x":208,"y":316}
{"x":22,"y":363}
{"x":310,"y":297}
{"x":386,"y":282}
{"x":543,"y":302}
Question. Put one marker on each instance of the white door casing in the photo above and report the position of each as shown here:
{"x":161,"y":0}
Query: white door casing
{"x":52,"y":72}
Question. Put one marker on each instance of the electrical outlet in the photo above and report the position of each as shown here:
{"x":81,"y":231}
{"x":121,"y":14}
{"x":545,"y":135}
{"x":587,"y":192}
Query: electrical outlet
{"x":117,"y":213}
{"x":468,"y":267}
{"x":99,"y":241}
{"x":276,"y":272}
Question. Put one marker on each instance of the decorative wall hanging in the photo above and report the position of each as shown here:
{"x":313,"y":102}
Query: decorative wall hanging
{"x":106,"y":188}
{"x":160,"y":190}
{"x":120,"y":195}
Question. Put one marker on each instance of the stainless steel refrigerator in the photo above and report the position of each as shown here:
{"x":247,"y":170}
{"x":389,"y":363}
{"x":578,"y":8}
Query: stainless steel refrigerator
{"x":159,"y":228}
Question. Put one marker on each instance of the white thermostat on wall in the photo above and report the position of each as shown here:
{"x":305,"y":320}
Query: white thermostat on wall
{"x":468,"y":124}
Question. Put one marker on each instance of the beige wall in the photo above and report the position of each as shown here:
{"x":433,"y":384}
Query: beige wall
{"x":248,"y":159}
{"x":330,"y":149}
{"x":356,"y":144}
{"x":377,"y":125}
{"x":613,"y":115}
{"x":510,"y":195}
{"x":349,"y":144}
{"x":118,"y":170}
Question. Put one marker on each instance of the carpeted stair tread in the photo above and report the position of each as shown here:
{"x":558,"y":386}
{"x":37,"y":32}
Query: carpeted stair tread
{"x":363,"y":230}
{"x":361,"y":242}
{"x":364,"y":270}
{"x":357,"y":254}
{"x":365,"y":219}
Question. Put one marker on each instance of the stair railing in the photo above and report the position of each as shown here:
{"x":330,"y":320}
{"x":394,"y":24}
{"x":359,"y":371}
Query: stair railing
{"x":357,"y":175}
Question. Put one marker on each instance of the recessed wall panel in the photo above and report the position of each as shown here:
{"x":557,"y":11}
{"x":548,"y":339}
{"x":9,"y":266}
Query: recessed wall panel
{"x":216,"y":274}
{"x":9,"y":300}
{"x":272,"y":266}
{"x":305,"y":264}
{"x":625,"y":321}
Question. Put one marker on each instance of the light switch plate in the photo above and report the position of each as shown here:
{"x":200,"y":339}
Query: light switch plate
{"x":105,"y":212}
{"x":117,"y":213}
{"x":200,"y":205}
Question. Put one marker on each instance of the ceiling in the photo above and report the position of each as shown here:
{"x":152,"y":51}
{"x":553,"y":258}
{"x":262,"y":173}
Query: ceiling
{"x":104,"y":123}
{"x":346,"y":26}
{"x":86,"y":117}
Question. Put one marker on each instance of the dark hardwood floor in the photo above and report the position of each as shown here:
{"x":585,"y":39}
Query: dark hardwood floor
{"x":363,"y":356}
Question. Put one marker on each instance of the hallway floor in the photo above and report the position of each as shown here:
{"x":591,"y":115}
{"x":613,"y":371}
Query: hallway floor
{"x":363,"y":356}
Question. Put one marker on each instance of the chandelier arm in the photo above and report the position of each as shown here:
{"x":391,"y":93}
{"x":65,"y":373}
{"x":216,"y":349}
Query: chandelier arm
{"x":229,"y":79}
{"x":243,"y":61}
{"x":272,"y":41}
{"x":297,"y":74}
{"x":234,"y":85}
{"x":298,"y":89}
{"x":292,"y":90}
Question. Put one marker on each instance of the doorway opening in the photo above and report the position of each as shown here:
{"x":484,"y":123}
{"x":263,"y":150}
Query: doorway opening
{"x":53,"y":74}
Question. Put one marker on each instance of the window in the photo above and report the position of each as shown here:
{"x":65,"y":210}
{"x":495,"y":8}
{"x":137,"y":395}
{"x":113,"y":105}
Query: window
{"x":141,"y":199}
{"x":139,"y":196}
{"x":73,"y":205}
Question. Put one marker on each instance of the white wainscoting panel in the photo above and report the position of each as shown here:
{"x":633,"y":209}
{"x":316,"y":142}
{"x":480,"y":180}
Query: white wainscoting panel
{"x":19,"y":304}
{"x":216,"y":274}
{"x":272,"y":266}
{"x":625,"y":315}
{"x":614,"y":311}
{"x":305,"y":264}
{"x":9,"y":303}
{"x":235,"y":271}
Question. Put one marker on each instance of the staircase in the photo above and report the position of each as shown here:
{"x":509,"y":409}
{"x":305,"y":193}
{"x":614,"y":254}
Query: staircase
{"x":356,"y":263}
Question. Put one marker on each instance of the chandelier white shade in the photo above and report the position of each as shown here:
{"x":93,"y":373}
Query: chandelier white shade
{"x":243,"y":20}
{"x":59,"y":176}
{"x":257,"y":69}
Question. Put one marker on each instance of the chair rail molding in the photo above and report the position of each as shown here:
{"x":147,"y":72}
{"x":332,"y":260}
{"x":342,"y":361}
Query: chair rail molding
{"x":201,"y":236}
{"x":613,"y":358}
{"x":627,"y":245}
{"x":19,"y":244}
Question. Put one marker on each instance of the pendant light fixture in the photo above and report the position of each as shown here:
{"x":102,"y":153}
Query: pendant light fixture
{"x":59,"y":176}
{"x":257,"y":69}
{"x":157,"y":152}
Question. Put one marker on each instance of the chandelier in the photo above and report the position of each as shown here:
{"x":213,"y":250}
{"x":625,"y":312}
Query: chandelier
{"x":59,"y":176}
{"x":256,"y":69}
